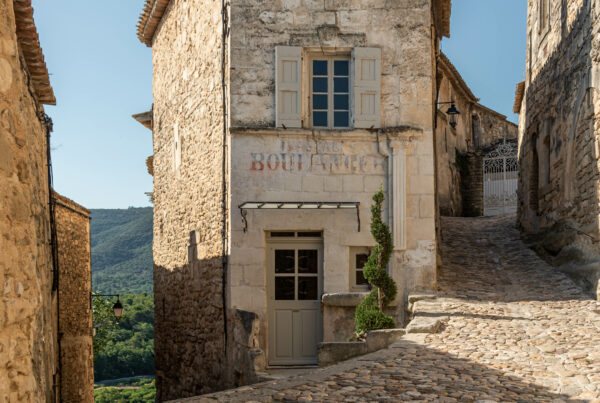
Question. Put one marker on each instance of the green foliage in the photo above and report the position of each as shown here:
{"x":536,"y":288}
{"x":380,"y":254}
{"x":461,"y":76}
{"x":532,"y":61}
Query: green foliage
{"x":146,"y":392}
{"x":369,"y":313}
{"x":122,"y":250}
{"x":104,"y":322}
{"x":128,"y":348}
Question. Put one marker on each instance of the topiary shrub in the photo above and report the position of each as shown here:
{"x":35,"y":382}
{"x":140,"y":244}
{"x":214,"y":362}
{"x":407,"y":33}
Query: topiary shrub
{"x":369,"y":313}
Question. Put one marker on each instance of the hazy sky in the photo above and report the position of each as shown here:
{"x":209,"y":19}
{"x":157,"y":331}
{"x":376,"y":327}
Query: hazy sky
{"x":101,"y":75}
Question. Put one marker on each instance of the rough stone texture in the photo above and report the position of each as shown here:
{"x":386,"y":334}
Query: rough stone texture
{"x":517,"y":330}
{"x":188,"y":215}
{"x":27,"y":325}
{"x":559,"y":120}
{"x":75,"y":287}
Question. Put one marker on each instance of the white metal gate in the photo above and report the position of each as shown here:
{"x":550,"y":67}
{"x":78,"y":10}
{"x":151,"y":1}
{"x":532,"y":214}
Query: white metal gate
{"x":500,"y":178}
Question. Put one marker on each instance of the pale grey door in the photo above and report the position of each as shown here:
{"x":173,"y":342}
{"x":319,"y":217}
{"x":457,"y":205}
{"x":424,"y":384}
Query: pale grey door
{"x":295,"y":287}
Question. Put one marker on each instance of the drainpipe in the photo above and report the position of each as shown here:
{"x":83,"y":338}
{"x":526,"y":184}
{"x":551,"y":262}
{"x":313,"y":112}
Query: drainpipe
{"x":47,"y":123}
{"x":224,"y":170}
{"x":383,"y":149}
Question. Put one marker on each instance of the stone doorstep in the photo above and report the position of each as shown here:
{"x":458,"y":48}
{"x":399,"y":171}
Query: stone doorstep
{"x":424,"y":321}
{"x":333,"y":352}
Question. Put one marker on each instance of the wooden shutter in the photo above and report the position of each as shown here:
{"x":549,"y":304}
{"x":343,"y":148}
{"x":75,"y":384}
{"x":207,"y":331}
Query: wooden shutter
{"x":366,"y":65}
{"x":288,"y":86}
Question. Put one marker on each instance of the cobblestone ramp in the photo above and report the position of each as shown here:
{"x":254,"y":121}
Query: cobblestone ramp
{"x":516,"y":330}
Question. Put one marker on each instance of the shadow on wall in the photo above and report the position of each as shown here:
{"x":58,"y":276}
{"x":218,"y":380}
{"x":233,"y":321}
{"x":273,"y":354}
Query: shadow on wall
{"x":558,"y":174}
{"x":195,"y":352}
{"x":396,"y":373}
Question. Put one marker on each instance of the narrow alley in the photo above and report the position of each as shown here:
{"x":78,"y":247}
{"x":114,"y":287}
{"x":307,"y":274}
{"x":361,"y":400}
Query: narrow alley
{"x":514,"y":329}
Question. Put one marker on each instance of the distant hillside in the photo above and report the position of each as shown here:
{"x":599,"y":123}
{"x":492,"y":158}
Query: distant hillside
{"x":122,"y":250}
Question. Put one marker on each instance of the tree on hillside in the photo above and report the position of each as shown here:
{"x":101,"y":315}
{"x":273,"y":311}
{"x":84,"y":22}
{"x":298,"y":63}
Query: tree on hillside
{"x":369,"y":315}
{"x":104,"y":322}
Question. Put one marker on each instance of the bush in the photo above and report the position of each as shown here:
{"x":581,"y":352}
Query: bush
{"x":369,"y":313}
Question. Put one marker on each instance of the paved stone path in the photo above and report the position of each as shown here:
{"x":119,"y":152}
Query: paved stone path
{"x":515,"y":329}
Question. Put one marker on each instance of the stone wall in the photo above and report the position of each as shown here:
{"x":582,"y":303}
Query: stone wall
{"x":560,"y":116}
{"x":188,"y":214}
{"x":75,"y":287}
{"x":27,"y":325}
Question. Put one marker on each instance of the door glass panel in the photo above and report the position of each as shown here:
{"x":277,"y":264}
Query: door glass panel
{"x":284,"y":288}
{"x":308,"y":288}
{"x":284,"y":261}
{"x":308,"y":261}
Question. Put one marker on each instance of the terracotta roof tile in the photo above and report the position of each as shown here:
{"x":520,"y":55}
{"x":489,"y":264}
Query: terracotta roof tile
{"x":149,"y":19}
{"x":519,"y":93}
{"x":29,"y":43}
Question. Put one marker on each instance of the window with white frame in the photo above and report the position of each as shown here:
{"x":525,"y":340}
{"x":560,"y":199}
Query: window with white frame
{"x":344,"y":89}
{"x":330,"y":92}
{"x":358,"y":259}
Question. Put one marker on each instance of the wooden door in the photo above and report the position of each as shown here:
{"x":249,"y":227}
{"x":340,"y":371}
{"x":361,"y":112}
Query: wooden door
{"x":295,"y":287}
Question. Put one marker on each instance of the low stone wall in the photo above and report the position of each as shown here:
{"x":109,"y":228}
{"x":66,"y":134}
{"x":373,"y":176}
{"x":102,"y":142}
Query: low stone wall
{"x":330,"y":353}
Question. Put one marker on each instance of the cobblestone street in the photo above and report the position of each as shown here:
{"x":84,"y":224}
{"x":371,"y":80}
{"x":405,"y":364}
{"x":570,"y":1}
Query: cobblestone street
{"x":514,"y":329}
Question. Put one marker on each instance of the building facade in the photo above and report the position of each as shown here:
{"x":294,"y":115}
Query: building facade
{"x":37,"y":363}
{"x":463,"y":143}
{"x":559,"y":107}
{"x":274,"y":123}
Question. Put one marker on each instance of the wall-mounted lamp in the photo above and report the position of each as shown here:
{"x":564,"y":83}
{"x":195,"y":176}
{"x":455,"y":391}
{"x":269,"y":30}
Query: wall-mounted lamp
{"x":452,"y":112}
{"x":117,"y":307}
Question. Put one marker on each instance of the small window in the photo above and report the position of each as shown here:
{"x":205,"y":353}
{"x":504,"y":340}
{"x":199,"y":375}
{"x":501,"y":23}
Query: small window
{"x":330,"y":92}
{"x":358,"y":259}
{"x":544,"y":15}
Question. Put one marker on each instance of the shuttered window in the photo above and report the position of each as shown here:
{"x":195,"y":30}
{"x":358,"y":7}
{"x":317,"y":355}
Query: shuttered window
{"x":344,"y":92}
{"x":366,"y":64}
{"x":288,"y":79}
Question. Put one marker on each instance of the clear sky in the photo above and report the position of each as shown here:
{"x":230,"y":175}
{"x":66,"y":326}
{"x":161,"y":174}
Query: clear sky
{"x":102,"y":74}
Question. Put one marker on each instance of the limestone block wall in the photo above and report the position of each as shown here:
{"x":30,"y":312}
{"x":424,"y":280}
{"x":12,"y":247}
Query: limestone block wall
{"x":188,"y":215}
{"x":490,"y":127}
{"x":269,"y":165}
{"x":27,"y":326}
{"x":402,"y":29}
{"x":558,"y":148}
{"x":75,"y":314}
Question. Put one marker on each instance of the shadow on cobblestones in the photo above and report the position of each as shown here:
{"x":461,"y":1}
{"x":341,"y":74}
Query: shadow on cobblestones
{"x":408,"y":371}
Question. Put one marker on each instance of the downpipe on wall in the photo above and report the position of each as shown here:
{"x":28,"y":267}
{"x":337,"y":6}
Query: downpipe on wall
{"x":224,"y":200}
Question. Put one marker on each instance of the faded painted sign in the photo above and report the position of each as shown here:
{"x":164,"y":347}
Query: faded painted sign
{"x":318,"y":157}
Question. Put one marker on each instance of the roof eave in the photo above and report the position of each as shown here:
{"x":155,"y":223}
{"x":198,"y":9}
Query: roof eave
{"x":30,"y":47}
{"x":150,"y":19}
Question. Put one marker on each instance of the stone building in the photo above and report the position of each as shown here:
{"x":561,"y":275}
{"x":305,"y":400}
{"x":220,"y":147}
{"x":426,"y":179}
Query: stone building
{"x":274,"y":123}
{"x":463,"y":142}
{"x":45,"y":317}
{"x":559,"y":106}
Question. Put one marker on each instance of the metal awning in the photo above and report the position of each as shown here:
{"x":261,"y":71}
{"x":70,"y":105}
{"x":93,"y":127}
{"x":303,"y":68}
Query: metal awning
{"x":279,"y":205}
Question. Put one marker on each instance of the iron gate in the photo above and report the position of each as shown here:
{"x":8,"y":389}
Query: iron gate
{"x":500,"y":178}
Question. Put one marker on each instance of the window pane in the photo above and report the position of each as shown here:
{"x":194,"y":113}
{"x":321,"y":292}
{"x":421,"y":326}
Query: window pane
{"x":282,"y":234}
{"x":361,"y":259}
{"x":320,"y":102}
{"x":360,"y":278}
{"x":284,"y":261}
{"x":340,"y":102}
{"x":320,"y":84}
{"x":340,"y":67}
{"x":320,"y":119}
{"x":308,"y":261}
{"x":284,"y":288}
{"x":308,"y":288}
{"x":310,"y":234}
{"x":340,"y":84}
{"x":340,"y":119}
{"x":320,"y":67}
